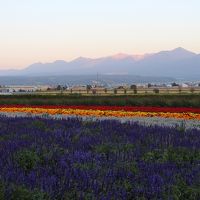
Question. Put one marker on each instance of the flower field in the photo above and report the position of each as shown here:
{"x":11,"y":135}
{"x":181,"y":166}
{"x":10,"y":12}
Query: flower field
{"x":74,"y":159}
{"x":45,"y":158}
{"x":108,"y":111}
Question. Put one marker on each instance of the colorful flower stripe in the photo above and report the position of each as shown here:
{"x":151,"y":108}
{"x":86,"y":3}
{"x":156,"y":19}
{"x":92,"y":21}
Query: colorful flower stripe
{"x":100,"y":113}
{"x":113,"y":108}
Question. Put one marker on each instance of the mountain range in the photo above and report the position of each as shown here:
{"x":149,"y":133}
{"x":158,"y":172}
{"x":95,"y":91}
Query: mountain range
{"x":176,"y":63}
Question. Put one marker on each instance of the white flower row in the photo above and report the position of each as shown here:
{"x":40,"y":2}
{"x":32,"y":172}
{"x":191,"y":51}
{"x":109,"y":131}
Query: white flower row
{"x":146,"y":121}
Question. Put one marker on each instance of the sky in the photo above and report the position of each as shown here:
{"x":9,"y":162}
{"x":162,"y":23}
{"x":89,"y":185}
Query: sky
{"x":48,"y":30}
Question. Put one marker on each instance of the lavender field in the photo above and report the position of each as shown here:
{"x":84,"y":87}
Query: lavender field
{"x":76,"y":159}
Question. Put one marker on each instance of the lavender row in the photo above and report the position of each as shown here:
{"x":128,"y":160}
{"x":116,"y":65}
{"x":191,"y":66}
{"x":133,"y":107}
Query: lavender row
{"x":73,"y":158}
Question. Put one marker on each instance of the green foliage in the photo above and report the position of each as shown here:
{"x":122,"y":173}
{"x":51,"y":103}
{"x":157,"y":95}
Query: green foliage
{"x":59,"y":87}
{"x":181,"y":155}
{"x":27,"y":159}
{"x":105,"y":149}
{"x":85,"y":166}
{"x":5,"y":137}
{"x":22,"y":193}
{"x":181,"y":191}
{"x":2,"y":191}
{"x":153,"y":156}
{"x":74,"y":194}
{"x":127,"y":185}
{"x":133,"y":87}
{"x":76,"y":138}
{"x":39,"y":124}
{"x":130,"y":166}
{"x":175,"y":84}
{"x":177,"y":155}
{"x":127,"y":147}
{"x":89,"y":87}
{"x":178,"y":100}
{"x":88,"y":196}
{"x":156,"y":91}
{"x":70,"y":195}
{"x":113,"y":148}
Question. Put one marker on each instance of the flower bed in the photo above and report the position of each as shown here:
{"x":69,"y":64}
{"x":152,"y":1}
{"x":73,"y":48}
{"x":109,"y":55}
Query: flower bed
{"x":108,"y":111}
{"x":74,"y":159}
{"x":113,"y":108}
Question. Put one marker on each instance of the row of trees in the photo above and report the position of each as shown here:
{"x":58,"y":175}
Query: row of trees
{"x":115,"y":91}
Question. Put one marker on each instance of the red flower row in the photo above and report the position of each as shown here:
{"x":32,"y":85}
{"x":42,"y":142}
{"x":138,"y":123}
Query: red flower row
{"x":113,"y":108}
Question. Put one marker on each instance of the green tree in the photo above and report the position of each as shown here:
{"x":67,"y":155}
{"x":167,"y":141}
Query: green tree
{"x":59,"y":87}
{"x":134,"y":88}
{"x":156,"y":90}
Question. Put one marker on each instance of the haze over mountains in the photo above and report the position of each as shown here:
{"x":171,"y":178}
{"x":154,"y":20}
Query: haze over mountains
{"x":177,"y":63}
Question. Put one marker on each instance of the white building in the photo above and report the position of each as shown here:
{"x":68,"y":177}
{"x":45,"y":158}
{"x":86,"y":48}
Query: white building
{"x":184,"y":85}
{"x":15,"y":88}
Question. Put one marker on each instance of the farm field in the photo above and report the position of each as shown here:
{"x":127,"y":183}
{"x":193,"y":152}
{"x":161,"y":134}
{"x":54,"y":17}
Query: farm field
{"x":76,"y":159}
{"x":183,"y":113}
{"x":170,"y":100}
{"x":94,"y":150}
{"x":99,"y":100}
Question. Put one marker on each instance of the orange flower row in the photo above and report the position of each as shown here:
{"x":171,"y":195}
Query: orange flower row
{"x":100,"y":113}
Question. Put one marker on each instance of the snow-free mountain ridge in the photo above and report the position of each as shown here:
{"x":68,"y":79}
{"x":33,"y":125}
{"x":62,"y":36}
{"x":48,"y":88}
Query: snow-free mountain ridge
{"x":177,"y":63}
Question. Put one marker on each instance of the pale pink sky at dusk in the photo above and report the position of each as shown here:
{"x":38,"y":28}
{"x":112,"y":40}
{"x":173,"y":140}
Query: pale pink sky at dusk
{"x":48,"y":30}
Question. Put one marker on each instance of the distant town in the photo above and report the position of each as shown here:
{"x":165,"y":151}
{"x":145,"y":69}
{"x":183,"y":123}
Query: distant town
{"x":100,"y":89}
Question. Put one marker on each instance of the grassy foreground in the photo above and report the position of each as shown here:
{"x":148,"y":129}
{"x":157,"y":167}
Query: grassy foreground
{"x":137,"y":100}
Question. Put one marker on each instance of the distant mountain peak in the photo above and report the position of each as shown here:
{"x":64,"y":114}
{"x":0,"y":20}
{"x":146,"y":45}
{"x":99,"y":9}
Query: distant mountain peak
{"x":81,"y":60}
{"x":182,"y":50}
{"x":177,"y":62}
